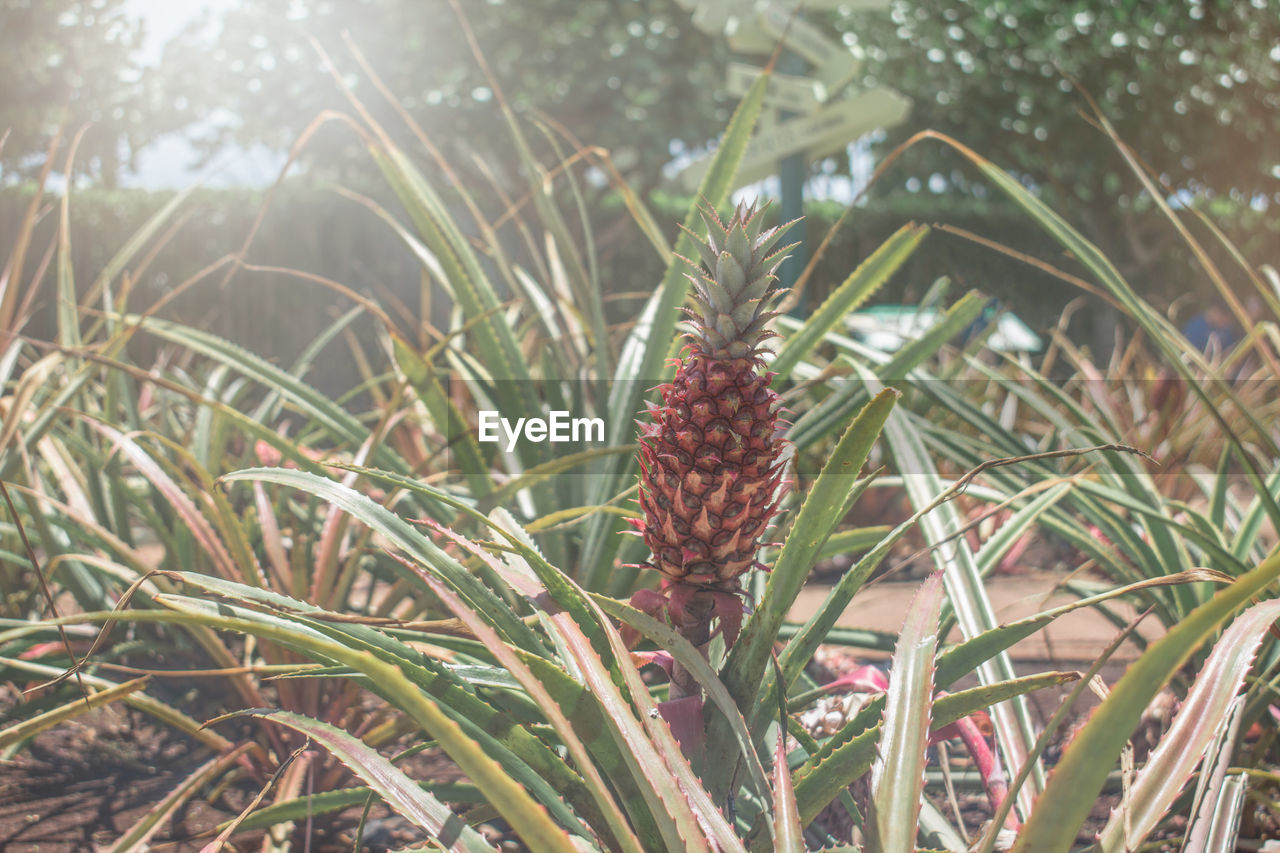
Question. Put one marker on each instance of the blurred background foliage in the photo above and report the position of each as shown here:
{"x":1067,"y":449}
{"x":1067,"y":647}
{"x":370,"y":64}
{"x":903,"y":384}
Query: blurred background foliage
{"x":121,"y":432}
{"x":64,"y":63}
{"x":1193,"y":87}
{"x":315,"y":231}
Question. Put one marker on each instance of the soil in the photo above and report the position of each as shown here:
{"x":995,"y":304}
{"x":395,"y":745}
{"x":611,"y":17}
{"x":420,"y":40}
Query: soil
{"x":82,"y":784}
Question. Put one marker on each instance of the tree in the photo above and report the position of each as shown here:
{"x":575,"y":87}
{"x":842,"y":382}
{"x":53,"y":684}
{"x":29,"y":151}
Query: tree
{"x":66,"y":64}
{"x":631,"y":75}
{"x":1192,"y":87}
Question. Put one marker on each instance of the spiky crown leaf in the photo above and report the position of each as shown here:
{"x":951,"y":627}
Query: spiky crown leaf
{"x":731,"y":288}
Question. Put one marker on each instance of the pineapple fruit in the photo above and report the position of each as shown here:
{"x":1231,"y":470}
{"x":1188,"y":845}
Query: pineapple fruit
{"x":710,"y":456}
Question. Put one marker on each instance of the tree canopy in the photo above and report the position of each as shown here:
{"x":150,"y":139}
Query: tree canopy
{"x":1193,"y":86}
{"x":629,"y":76}
{"x":65,"y":64}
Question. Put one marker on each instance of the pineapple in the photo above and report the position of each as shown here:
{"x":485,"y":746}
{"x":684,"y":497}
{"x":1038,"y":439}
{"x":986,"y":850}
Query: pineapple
{"x":710,"y":459}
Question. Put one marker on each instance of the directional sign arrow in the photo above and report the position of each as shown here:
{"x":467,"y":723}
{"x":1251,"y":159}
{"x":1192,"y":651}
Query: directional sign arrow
{"x":785,"y":91}
{"x":711,"y":16}
{"x":837,"y":64}
{"x":819,"y":134}
{"x":746,"y":36}
{"x":832,"y":5}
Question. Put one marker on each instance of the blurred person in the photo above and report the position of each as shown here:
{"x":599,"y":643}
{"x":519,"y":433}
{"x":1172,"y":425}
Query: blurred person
{"x":1213,"y":330}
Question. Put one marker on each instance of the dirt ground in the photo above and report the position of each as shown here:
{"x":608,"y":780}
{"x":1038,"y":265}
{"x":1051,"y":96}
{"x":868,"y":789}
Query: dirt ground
{"x":1078,"y":636}
{"x":79,"y":786}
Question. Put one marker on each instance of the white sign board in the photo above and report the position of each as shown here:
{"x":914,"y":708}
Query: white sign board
{"x":758,"y":26}
{"x":711,"y":16}
{"x":800,"y":35}
{"x":746,"y":36}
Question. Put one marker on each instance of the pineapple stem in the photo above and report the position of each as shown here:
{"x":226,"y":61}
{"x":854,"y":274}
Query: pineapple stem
{"x":694,"y":624}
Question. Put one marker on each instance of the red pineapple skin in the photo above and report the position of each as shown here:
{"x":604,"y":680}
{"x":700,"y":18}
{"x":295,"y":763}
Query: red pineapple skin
{"x":710,"y":469}
{"x":711,"y":452}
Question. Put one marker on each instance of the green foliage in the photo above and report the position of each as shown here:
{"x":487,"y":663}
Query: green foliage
{"x":897,"y":776}
{"x":468,"y":592}
{"x":1193,"y":86}
{"x":630,"y":76}
{"x":65,"y":65}
{"x":317,"y":231}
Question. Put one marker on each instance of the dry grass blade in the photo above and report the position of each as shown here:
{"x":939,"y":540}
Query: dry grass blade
{"x":11,"y":276}
{"x":44,"y":585}
{"x":988,"y":841}
{"x":959,"y":486}
{"x":1043,"y":266}
{"x":34,"y":725}
{"x":1206,"y":263}
{"x":218,"y":843}
{"x":141,"y":701}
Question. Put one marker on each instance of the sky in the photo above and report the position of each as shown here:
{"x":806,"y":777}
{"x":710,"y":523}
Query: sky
{"x":165,"y":163}
{"x":164,"y":18}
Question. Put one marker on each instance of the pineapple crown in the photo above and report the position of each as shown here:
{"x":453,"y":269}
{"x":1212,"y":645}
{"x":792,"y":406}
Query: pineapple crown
{"x":731,"y":288}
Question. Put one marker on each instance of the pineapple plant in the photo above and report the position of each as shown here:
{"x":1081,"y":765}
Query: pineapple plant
{"x":710,"y":456}
{"x":711,"y":452}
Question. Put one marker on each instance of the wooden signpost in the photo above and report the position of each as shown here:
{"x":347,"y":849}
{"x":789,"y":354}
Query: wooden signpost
{"x":835,"y":63}
{"x":802,"y":95}
{"x":812,"y":120}
{"x":819,"y":123}
{"x":816,"y":135}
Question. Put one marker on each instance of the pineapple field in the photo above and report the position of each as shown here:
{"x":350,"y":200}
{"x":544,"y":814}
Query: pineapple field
{"x":570,"y":567}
